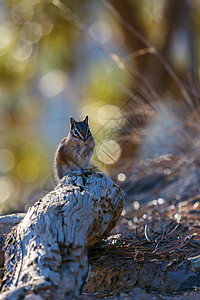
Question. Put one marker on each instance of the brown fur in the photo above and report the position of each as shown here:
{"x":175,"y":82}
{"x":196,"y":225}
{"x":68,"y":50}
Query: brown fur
{"x":72,"y":154}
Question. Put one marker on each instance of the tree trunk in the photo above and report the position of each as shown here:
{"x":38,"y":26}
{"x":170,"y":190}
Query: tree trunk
{"x":46,"y":253}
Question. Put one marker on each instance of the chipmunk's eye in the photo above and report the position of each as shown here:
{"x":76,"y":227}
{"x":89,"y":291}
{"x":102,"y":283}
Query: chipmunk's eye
{"x":75,"y":133}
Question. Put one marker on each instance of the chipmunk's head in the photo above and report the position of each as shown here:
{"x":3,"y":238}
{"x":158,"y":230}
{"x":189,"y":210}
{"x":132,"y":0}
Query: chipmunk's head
{"x":80,"y":130}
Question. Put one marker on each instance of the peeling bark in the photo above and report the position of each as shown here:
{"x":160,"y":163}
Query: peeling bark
{"x":46,"y":253}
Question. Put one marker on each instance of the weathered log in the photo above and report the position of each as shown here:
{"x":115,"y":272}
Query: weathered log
{"x":46,"y":252}
{"x":8,"y":221}
{"x":6,"y":224}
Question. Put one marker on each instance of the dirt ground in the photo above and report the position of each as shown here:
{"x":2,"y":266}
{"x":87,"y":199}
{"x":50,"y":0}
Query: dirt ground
{"x":154,"y":252}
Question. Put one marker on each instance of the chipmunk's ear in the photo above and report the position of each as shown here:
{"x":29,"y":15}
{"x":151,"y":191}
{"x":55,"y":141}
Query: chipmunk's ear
{"x":86,"y":119}
{"x":72,"y":122}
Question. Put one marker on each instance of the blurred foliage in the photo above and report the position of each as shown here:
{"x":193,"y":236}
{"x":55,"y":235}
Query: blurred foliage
{"x":81,"y":57}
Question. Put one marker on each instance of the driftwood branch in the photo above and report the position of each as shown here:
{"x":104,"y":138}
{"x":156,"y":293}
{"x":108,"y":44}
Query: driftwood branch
{"x":46,"y":253}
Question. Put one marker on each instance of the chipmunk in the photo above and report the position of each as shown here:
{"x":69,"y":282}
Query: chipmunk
{"x":74,"y":151}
